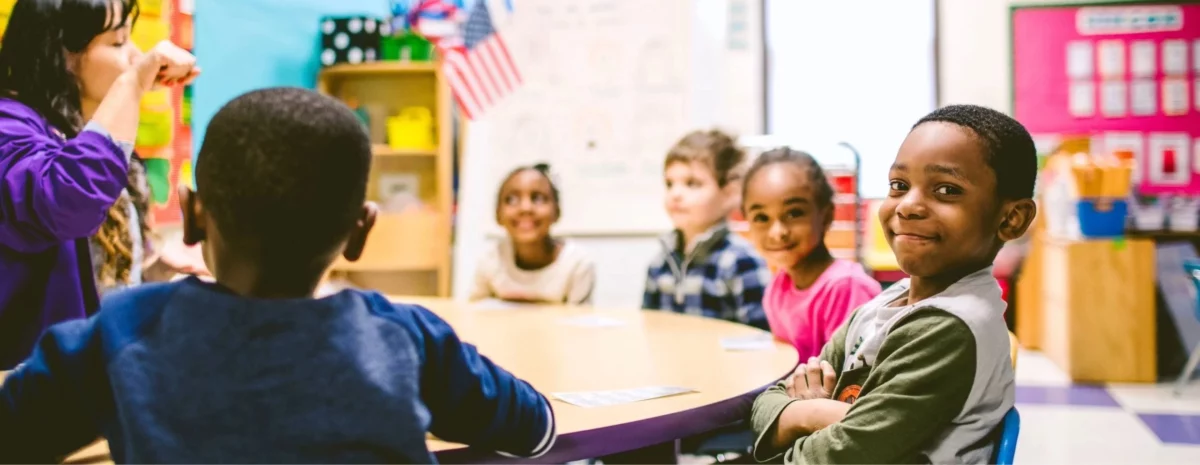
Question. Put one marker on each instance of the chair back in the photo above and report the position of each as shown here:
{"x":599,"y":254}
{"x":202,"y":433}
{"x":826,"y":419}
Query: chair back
{"x":1192,"y":267}
{"x":1006,"y":448}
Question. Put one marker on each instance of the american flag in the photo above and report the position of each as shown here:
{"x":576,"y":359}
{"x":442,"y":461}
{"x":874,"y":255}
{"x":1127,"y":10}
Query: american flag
{"x":477,"y":65}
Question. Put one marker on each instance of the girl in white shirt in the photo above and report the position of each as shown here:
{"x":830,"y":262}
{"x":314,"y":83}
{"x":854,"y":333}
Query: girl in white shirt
{"x":531,"y":266}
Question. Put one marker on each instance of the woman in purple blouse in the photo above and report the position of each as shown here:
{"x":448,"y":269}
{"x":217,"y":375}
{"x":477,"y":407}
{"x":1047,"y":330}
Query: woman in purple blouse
{"x":71,"y":82}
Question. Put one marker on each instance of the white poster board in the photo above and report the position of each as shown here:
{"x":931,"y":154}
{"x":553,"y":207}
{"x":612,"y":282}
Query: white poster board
{"x":607,"y":90}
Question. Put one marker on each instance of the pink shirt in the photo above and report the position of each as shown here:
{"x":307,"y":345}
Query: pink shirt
{"x":807,"y":318}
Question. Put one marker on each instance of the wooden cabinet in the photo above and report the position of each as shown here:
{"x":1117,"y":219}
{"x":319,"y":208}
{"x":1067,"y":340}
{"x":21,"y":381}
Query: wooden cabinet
{"x":1097,"y":308}
{"x":409,"y":249}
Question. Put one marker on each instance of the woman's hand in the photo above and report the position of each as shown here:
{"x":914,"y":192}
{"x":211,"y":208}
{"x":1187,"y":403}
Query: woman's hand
{"x":183,"y":258}
{"x":165,"y":64}
{"x":814,"y":379}
{"x":174,"y":260}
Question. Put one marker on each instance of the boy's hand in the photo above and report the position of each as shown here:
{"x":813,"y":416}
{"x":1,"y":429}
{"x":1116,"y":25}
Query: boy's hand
{"x":812,"y":380}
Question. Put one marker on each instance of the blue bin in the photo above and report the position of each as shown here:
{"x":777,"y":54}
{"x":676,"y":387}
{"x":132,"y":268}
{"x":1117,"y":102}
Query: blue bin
{"x":1102,"y":217}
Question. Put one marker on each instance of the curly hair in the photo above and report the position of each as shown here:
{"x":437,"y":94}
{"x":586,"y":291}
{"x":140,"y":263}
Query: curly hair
{"x":114,"y":237}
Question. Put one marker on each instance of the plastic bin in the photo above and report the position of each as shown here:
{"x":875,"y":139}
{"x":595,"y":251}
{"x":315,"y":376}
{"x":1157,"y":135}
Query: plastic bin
{"x":1102,"y":217}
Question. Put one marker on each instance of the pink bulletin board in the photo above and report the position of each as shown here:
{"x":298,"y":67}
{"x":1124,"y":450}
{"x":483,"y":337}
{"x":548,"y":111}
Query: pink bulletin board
{"x":1126,"y":74}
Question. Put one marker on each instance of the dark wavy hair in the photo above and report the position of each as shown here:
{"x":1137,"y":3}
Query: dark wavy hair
{"x":35,"y":51}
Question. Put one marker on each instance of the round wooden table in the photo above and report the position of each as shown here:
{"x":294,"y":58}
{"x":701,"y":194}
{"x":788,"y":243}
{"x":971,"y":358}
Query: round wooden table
{"x":650,"y":349}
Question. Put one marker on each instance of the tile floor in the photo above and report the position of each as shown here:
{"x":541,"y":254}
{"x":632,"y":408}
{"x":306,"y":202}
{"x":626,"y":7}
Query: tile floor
{"x":1111,"y":424}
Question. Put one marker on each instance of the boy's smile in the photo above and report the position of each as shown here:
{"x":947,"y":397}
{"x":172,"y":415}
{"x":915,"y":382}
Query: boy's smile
{"x":942,"y":211}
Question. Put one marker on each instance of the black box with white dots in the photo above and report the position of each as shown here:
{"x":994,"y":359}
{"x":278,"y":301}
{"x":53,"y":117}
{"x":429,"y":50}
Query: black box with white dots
{"x":352,"y":39}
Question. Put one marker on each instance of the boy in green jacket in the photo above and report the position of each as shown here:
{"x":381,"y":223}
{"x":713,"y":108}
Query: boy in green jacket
{"x":921,"y":373}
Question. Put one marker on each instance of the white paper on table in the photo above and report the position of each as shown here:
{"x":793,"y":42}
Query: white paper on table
{"x":748,"y":343}
{"x":1113,"y":97}
{"x":591,"y":399}
{"x":593,"y":321}
{"x":1142,"y":58}
{"x":1111,"y":58}
{"x":1080,"y":59}
{"x":495,"y":304}
{"x":1174,"y":57}
{"x":1082,"y":99}
{"x":1143,"y":97}
{"x":1175,"y":97}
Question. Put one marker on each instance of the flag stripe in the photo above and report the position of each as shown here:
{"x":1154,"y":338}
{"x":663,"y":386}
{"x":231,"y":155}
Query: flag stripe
{"x":475,"y":63}
{"x":508,"y":57}
{"x":498,"y":67}
{"x":479,"y":75}
{"x":496,"y":77}
{"x":461,"y":84}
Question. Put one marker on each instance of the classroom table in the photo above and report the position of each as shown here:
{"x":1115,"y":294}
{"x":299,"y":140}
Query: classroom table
{"x":650,"y":349}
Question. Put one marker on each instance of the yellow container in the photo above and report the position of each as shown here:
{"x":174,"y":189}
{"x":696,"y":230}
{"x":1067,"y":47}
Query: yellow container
{"x":411,"y":129}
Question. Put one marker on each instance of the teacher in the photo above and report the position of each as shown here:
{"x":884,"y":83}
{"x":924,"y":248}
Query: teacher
{"x":71,"y":82}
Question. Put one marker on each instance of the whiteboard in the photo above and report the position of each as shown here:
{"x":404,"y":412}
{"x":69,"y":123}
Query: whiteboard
{"x":607,"y":91}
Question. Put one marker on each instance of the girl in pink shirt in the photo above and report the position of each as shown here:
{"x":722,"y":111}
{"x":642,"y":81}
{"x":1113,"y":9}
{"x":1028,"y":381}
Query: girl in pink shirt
{"x":789,"y":204}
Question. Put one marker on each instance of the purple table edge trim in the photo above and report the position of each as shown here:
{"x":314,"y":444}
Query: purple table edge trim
{"x":627,"y":436}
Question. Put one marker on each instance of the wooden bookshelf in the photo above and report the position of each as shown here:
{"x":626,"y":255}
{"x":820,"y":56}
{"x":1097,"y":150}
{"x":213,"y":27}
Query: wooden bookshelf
{"x":409,"y":249}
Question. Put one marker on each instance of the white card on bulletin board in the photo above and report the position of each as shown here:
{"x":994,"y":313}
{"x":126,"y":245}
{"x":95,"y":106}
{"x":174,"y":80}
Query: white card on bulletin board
{"x":1113,"y":99}
{"x":1196,"y":155}
{"x":1111,"y":58}
{"x":1142,"y":58}
{"x":1080,"y":59}
{"x":1196,"y":93}
{"x":1082,"y":99}
{"x":1175,"y":101}
{"x":1143,"y":97}
{"x":1168,"y":158}
{"x":1174,"y":57}
{"x":1127,"y":141}
{"x":1196,"y":56}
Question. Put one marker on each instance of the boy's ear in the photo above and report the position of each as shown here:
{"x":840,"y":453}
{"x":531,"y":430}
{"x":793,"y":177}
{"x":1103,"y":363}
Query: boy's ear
{"x":358,"y":236}
{"x":194,"y":227}
{"x":1018,"y":216}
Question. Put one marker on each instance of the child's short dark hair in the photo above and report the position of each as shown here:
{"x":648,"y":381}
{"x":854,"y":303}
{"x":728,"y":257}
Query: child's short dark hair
{"x":284,"y":170}
{"x":717,"y":149}
{"x":542,"y":169}
{"x":1008,"y":146}
{"x":822,"y":190}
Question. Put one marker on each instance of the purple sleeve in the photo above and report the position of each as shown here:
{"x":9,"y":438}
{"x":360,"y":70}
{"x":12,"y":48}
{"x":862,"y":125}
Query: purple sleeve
{"x":50,"y":190}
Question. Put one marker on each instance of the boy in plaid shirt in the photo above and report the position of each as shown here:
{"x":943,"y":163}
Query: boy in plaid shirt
{"x":704,"y":269}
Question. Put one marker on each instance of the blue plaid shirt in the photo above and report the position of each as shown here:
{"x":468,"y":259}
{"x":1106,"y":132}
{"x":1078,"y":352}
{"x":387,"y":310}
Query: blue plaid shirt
{"x":723,"y":277}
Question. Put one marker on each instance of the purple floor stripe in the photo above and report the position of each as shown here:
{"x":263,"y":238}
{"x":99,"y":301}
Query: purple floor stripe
{"x":1174,"y":429}
{"x":1095,"y":396}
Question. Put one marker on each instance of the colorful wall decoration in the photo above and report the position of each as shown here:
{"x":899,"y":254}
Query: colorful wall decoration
{"x":164,"y":134}
{"x":6,"y":7}
{"x":1128,"y":76}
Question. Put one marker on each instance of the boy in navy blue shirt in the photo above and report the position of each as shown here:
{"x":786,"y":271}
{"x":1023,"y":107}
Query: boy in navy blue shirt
{"x":252,"y":368}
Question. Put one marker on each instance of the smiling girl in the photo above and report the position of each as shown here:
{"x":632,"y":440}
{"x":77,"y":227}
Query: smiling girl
{"x":789,"y":203}
{"x":532,"y":266}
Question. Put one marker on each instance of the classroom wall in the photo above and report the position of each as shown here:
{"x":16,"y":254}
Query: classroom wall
{"x":244,"y":45}
{"x":973,"y":51}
